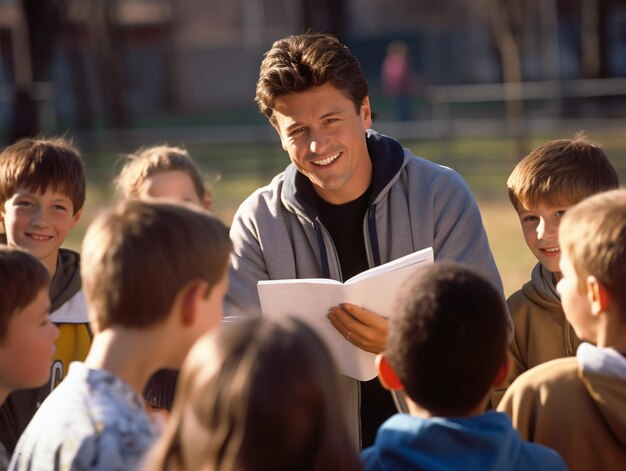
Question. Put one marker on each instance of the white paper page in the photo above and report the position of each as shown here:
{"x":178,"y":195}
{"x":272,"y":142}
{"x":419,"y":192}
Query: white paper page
{"x":311,"y":299}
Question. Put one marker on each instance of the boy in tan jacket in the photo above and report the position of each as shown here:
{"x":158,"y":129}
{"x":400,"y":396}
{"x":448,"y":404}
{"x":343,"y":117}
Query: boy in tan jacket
{"x":543,"y":185}
{"x":578,"y":405}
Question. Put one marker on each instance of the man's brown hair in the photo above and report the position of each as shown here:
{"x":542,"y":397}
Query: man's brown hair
{"x":297,"y":63}
{"x":593,"y":234}
{"x":39,"y":164}
{"x":138,"y":256}
{"x":22,"y":277}
{"x":563,"y":171}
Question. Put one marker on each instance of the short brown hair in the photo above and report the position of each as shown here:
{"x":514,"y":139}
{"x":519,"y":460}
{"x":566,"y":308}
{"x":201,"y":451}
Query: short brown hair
{"x":593,"y":234}
{"x":41,"y":163}
{"x":447,"y":338}
{"x":22,"y":277}
{"x":297,"y":63}
{"x":228,"y":386}
{"x":158,"y":159}
{"x":563,"y":171}
{"x":137,"y":257}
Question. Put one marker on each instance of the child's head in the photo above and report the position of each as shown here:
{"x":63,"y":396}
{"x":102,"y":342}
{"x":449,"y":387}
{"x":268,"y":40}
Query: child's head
{"x":139,"y":257}
{"x":42,"y":191}
{"x":593,"y":264}
{"x":163,"y":172}
{"x":549,"y":180}
{"x":447,"y":340}
{"x":26,"y":333}
{"x":257,"y":395}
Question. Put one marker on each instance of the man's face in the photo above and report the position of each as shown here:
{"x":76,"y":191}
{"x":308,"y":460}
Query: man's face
{"x":325,"y":138}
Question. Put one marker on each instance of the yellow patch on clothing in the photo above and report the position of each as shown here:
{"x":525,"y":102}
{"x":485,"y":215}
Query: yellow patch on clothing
{"x":72,"y":344}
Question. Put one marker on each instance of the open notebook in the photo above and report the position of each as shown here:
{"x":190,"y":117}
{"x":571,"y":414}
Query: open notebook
{"x":310,"y":299}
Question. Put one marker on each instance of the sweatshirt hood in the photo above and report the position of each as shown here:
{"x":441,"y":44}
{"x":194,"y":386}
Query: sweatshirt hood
{"x":66,"y":280}
{"x":541,"y":289}
{"x":603,"y":371}
{"x":487,"y":441}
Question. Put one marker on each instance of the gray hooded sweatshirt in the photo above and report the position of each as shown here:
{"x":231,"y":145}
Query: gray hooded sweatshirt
{"x":414,"y":204}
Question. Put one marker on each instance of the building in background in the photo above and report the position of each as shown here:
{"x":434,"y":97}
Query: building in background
{"x":141,"y":63}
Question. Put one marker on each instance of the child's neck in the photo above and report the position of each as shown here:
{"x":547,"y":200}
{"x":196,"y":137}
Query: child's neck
{"x":129,"y":354}
{"x":423,"y":413}
{"x":50,"y":263}
{"x":612,"y":333}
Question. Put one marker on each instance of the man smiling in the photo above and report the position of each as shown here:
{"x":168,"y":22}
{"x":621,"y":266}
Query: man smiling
{"x":351,"y":199}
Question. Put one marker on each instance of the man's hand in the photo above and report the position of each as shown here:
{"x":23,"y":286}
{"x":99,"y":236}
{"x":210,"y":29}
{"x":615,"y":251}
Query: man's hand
{"x":361,"y":327}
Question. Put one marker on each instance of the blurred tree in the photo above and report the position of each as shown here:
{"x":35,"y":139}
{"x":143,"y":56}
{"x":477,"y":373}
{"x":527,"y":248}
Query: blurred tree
{"x":506,"y":20}
{"x":326,"y":16}
{"x":33,"y":41}
{"x":106,"y":36}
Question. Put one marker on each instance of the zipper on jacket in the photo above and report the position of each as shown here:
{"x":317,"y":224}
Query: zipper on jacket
{"x":373,"y":234}
{"x":323,"y":253}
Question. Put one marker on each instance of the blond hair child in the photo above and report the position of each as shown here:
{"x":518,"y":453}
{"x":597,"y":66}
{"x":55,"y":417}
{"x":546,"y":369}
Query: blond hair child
{"x":163,"y":171}
{"x":542,"y":187}
{"x":42,"y":192}
{"x":578,"y":405}
{"x":155,"y":275}
{"x":26,"y":333}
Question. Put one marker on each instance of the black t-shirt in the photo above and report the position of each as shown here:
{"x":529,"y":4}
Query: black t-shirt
{"x":345,"y":222}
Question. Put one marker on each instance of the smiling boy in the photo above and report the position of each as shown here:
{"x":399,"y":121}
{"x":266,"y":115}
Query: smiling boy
{"x":42,"y":192}
{"x":577,"y":405}
{"x":351,"y":199}
{"x":542,"y":187}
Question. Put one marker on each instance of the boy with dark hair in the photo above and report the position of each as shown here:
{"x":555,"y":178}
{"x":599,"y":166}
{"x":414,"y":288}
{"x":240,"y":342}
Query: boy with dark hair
{"x":154,"y":275}
{"x":447,"y":347}
{"x":26,"y":333}
{"x":543,"y":185}
{"x":42,"y":192}
{"x":578,"y":405}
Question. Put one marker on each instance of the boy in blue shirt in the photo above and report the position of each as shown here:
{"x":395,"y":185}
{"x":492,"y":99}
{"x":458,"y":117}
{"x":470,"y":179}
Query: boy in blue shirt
{"x":447,"y":347}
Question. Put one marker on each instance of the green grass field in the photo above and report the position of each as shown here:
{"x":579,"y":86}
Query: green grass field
{"x":234,"y":171}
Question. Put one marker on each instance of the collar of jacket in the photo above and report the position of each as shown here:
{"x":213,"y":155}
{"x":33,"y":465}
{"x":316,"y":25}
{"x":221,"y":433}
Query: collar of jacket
{"x":387,"y":157}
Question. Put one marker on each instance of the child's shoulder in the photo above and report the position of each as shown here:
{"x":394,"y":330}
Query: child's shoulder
{"x":553,"y":381}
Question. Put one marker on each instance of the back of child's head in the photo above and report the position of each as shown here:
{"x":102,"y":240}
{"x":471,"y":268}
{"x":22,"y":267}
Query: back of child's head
{"x":40,"y":165}
{"x":593,"y":234}
{"x":257,"y":395}
{"x":22,"y":277}
{"x":155,"y":160}
{"x":563,"y":171}
{"x":138,"y":256}
{"x":447,"y":339}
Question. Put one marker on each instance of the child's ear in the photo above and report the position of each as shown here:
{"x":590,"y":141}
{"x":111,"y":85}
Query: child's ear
{"x":599,"y":297}
{"x":207,"y":200}
{"x":192,"y":294}
{"x":503,"y":372}
{"x":386,"y":375}
{"x":76,"y":218}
